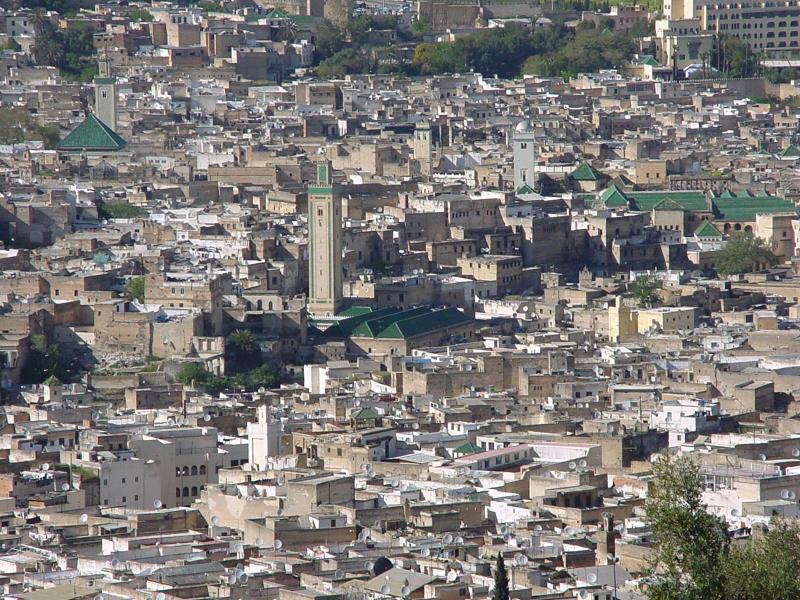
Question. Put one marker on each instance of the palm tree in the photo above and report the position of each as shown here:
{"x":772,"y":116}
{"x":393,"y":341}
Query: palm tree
{"x":242,"y":348}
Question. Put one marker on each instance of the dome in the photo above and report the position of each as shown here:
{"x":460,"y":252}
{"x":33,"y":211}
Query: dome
{"x":524,"y":127}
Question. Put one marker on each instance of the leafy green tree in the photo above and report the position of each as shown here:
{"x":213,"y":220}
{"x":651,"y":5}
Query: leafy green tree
{"x":192,"y":372}
{"x":743,"y":253}
{"x":44,"y":361}
{"x":328,"y":41}
{"x":501,"y":589}
{"x":690,"y":544}
{"x":766,"y":568}
{"x":262,"y":376}
{"x":68,"y":50}
{"x":736,"y":58}
{"x":420,"y":27}
{"x":134,"y":289}
{"x":643,"y":288}
{"x":120,"y":210}
{"x":49,"y":47}
{"x":17,"y":126}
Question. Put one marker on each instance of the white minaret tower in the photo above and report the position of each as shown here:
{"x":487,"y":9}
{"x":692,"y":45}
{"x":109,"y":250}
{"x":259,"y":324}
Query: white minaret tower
{"x":105,"y":92}
{"x":524,"y":156}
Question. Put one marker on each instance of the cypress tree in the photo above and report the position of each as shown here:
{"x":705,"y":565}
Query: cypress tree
{"x":501,"y":591}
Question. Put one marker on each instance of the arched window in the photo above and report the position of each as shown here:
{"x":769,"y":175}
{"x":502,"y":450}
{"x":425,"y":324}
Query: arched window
{"x":177,"y":471}
{"x":202,"y":469}
{"x":177,"y":492}
{"x":259,"y":304}
{"x":185,"y":470}
{"x":737,"y":227}
{"x":748,"y":229}
{"x":269,"y":306}
{"x":194,"y":490}
{"x":185,"y":492}
{"x":194,"y":470}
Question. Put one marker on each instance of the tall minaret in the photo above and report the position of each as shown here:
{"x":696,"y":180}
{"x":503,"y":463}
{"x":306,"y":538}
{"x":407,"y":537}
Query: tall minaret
{"x":105,"y":91}
{"x":524,"y":156}
{"x":422,"y":147}
{"x":325,"y":245}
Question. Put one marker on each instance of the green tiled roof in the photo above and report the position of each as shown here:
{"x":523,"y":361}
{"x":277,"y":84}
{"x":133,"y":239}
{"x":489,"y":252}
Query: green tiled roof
{"x":395,"y":323}
{"x":466,"y":448}
{"x":585,"y":172}
{"x":727,"y":206}
{"x":689,"y":201}
{"x":648,"y":59}
{"x":525,"y":189}
{"x":791,"y":152}
{"x":280,"y":14}
{"x":92,"y":134}
{"x":52,"y":381}
{"x":345,"y":327}
{"x":366,"y":413}
{"x":613,"y":197}
{"x":667,"y":204}
{"x":423,"y":323}
{"x":355,"y":311}
{"x":746,"y":208}
{"x":374,"y":327}
{"x":707,"y":230}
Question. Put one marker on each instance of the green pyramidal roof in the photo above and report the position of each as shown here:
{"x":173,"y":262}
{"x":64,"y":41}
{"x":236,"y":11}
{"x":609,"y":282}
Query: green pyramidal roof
{"x":791,"y":152}
{"x":585,"y":172}
{"x":92,"y":134}
{"x":467,"y":448}
{"x":707,"y":230}
{"x":612,"y":197}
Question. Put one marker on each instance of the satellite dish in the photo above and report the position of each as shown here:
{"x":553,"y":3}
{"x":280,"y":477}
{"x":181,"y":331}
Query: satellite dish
{"x":243,"y":577}
{"x":452,"y":576}
{"x":405,"y":590}
{"x":385,"y":589}
{"x":426,"y":552}
{"x":45,"y":467}
{"x":339,"y":574}
{"x":762,"y":457}
{"x":259,"y":542}
{"x":572,"y":465}
{"x":591,"y":578}
{"x":65,"y":487}
{"x":520,"y":560}
{"x":157,"y":504}
{"x":369,"y":565}
{"x":84,"y":518}
{"x":215,"y":520}
{"x":448,"y":538}
{"x":582,"y":463}
{"x":278,"y":544}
